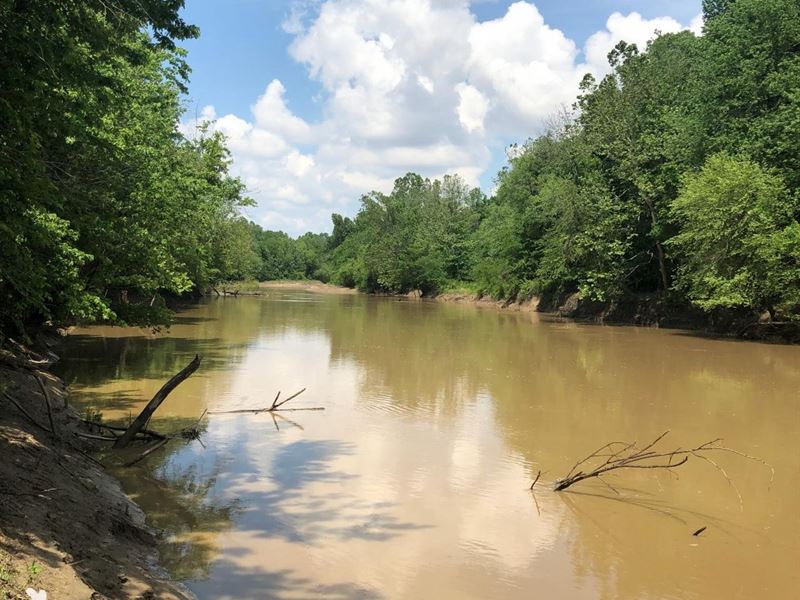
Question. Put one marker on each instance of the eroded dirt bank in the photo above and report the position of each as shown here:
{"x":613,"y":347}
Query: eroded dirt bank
{"x":647,"y":310}
{"x":531,"y":305}
{"x":307,"y":286}
{"x":66,"y":527}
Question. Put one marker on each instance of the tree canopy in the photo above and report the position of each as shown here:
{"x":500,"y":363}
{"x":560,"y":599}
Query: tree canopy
{"x":675,"y":175}
{"x":103,"y":201}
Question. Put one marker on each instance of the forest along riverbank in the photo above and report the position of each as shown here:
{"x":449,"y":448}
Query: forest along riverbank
{"x":66,"y":527}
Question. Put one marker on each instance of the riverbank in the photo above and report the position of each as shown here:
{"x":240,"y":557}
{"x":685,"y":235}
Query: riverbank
{"x":644,"y":310}
{"x":307,"y":286}
{"x":66,"y":527}
{"x":530,"y":305}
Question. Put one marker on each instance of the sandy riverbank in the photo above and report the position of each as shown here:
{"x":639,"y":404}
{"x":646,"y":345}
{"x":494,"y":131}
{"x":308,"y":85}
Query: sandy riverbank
{"x":449,"y":297}
{"x":486,"y":302}
{"x":307,"y":286}
{"x":66,"y":527}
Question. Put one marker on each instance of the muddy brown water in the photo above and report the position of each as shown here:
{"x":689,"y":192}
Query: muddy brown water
{"x":413,"y":482}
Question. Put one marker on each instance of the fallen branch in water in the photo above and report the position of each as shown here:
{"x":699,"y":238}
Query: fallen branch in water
{"x":147,"y":452}
{"x":622,"y":455}
{"x":275,"y":407}
{"x":143,"y":433}
{"x":147,"y":412}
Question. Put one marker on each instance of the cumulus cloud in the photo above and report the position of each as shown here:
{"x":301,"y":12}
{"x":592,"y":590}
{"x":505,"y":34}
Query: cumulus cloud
{"x":472,"y":107}
{"x":632,"y":28}
{"x":407,"y":85}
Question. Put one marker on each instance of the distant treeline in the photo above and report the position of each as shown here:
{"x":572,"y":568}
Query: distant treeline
{"x":678,"y":174}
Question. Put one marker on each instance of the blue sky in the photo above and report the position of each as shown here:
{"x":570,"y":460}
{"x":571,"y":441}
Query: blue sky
{"x":324,"y":100}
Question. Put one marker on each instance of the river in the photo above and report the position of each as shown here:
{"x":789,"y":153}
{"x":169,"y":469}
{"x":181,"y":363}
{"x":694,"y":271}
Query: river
{"x":414,"y":480}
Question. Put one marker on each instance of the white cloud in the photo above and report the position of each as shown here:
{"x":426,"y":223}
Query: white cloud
{"x":272,"y":114}
{"x":298,"y":164}
{"x":406,"y":85}
{"x":632,"y":28}
{"x":696,"y":25}
{"x":526,"y":66}
{"x":472,"y":107}
{"x":425,"y":83}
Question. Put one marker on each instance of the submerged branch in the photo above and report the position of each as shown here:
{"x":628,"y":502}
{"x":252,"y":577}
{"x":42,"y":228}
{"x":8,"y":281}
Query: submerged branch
{"x":274,"y":408}
{"x":623,"y":455}
{"x":141,"y":421}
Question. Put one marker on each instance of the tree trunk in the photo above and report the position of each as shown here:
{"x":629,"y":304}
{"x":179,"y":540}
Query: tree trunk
{"x":151,"y":407}
{"x":662,"y":262}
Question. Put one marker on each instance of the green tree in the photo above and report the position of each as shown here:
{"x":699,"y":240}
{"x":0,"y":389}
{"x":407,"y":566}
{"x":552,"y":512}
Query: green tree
{"x":640,"y":123}
{"x":739,"y":244}
{"x":103,"y":202}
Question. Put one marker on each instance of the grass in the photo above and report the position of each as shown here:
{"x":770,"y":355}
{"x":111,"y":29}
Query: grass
{"x":91,"y":413}
{"x":9,"y":586}
{"x":34,"y":570}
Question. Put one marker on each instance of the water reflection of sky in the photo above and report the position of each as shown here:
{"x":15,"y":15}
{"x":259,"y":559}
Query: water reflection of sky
{"x":412,"y":483}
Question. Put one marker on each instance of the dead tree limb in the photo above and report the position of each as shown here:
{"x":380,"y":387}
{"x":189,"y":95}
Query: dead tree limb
{"x":275,"y":407}
{"x":114,"y":428}
{"x":92,"y":436}
{"x":26,"y":360}
{"x":147,"y":452}
{"x":46,"y":395}
{"x":144,"y":416}
{"x":623,"y":455}
{"x":292,"y":397}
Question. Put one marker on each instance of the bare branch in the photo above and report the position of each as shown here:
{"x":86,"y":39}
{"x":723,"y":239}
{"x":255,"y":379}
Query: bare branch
{"x":141,"y":421}
{"x":629,"y":456}
{"x":275,"y":407}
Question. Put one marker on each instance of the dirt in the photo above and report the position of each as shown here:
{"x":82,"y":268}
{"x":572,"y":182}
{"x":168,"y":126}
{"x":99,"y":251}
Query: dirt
{"x":307,"y":286}
{"x":654,"y":310}
{"x":530,"y":305}
{"x":66,"y":527}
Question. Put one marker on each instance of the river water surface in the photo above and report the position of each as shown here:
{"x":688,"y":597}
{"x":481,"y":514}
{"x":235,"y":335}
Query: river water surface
{"x":413,"y":482}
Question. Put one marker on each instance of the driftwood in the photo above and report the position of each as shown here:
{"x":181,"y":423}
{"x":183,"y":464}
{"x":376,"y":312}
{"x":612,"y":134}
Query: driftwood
{"x":273,"y":408}
{"x":113,"y":429}
{"x":188,"y":433}
{"x":623,"y":455}
{"x":144,"y":416}
{"x":46,"y":395}
{"x":147,"y":452}
{"x":26,"y":361}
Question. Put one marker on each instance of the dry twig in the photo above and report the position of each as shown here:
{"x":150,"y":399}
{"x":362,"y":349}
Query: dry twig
{"x":46,"y":395}
{"x":147,"y":452}
{"x":275,"y":407}
{"x":623,"y":455}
